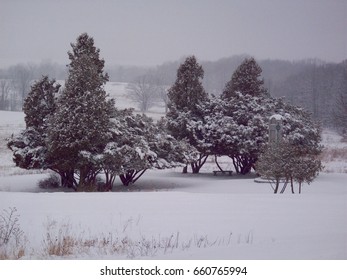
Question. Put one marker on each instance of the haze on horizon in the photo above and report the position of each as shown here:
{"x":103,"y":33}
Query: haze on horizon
{"x":137,"y":32}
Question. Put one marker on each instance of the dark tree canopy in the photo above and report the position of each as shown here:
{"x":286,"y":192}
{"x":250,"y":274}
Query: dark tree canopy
{"x":86,"y":69}
{"x":81,"y":123}
{"x":246,"y":80}
{"x":187,"y":91}
{"x":29,"y":147}
{"x":185,"y":99}
{"x":40,"y":103}
{"x":247,"y":105}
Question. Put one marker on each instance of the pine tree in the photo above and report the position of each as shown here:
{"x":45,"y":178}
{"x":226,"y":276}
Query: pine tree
{"x":299,"y":128}
{"x":247,"y":104}
{"x":187,"y":91}
{"x":246,"y":79}
{"x":40,"y":104}
{"x":80,"y":127}
{"x":29,"y":147}
{"x":185,"y":97}
{"x":236,"y":127}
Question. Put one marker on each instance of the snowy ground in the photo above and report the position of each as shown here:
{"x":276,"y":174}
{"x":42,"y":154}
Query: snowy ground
{"x":234,"y":218}
{"x":169,"y":215}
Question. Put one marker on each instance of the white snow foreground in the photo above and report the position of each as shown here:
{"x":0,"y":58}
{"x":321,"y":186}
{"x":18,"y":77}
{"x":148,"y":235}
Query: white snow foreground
{"x":176,"y":216}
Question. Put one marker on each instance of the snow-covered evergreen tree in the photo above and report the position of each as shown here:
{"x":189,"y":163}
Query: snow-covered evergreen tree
{"x":187,"y":91}
{"x":239,"y":128}
{"x":236,"y":127}
{"x":246,"y":79}
{"x":139,"y":144}
{"x":80,"y":126}
{"x":185,"y":97}
{"x":29,"y":147}
{"x":299,"y":128}
{"x":246,"y":106}
{"x":40,"y":103}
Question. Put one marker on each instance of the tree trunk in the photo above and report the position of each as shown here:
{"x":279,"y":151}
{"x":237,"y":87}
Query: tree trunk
{"x":284,"y":186}
{"x":277,"y":185}
{"x":242,"y":164}
{"x":126,"y":178}
{"x":196,"y":166}
{"x":236,"y":164}
{"x":131,"y":176}
{"x":110,"y":178}
{"x":82,"y":184}
{"x":292,"y":185}
{"x":216,"y":160}
{"x":87,"y":181}
{"x":67,"y":179}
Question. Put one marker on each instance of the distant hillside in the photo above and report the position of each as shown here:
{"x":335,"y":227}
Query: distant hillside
{"x":311,"y":83}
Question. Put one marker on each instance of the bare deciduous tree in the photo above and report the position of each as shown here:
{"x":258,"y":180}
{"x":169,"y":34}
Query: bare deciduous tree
{"x":22,"y":76}
{"x":144,"y":92}
{"x":162,"y":94}
{"x":163,"y":83}
{"x":340,"y":112}
{"x":5,"y":86}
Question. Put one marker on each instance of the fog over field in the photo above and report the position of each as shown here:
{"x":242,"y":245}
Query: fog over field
{"x":151,"y":32}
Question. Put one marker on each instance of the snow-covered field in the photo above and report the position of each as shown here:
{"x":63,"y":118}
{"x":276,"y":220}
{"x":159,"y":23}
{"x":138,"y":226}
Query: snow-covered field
{"x":170,"y":215}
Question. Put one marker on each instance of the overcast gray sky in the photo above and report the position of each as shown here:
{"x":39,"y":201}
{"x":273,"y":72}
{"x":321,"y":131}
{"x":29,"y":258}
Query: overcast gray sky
{"x":149,"y":32}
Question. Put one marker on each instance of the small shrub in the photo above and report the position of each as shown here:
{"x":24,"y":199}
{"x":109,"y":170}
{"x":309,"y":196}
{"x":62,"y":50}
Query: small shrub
{"x":12,"y":239}
{"x":59,"y":241}
{"x":52,"y":182}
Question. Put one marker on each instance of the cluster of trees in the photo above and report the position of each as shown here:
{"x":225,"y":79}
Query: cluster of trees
{"x":79,"y":133}
{"x":236,"y":123}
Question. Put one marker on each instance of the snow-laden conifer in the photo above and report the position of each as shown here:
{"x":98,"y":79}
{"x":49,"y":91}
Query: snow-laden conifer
{"x":236,"y":127}
{"x":246,"y":79}
{"x":29,"y":147}
{"x":81,"y":123}
{"x":138,"y":144}
{"x":185,"y":97}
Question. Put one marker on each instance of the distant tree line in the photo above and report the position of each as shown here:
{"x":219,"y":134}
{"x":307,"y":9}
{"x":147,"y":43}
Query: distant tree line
{"x":313,"y":84}
{"x":79,"y":134}
{"x":320,"y":88}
